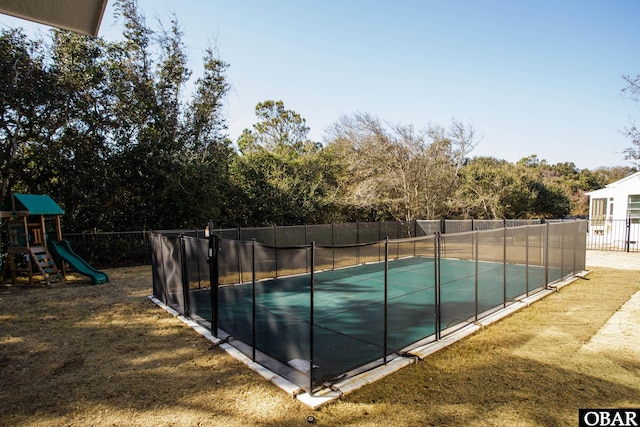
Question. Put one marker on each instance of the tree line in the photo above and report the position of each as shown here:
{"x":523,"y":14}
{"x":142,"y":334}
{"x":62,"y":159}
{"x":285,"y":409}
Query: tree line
{"x":109,"y":131}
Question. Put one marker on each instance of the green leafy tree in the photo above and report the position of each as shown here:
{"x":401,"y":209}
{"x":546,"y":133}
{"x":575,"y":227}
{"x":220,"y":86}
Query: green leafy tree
{"x":497,"y":189}
{"x":202,"y":188}
{"x":30,"y":107}
{"x":170,"y":156}
{"x":148,"y":112}
{"x":78,"y":171}
{"x":278,"y":130}
{"x":492,"y":189}
{"x":284,"y":177}
{"x":105,"y":129}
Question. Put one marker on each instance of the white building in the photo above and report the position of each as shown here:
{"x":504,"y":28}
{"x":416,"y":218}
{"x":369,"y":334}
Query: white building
{"x":614,"y":214}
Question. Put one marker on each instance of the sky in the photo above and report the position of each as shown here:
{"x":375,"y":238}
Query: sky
{"x":537,"y":77}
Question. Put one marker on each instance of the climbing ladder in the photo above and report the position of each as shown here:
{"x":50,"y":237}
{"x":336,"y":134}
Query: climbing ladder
{"x":43,"y":261}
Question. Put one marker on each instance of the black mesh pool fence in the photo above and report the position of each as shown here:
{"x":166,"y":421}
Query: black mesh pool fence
{"x":315,"y":313}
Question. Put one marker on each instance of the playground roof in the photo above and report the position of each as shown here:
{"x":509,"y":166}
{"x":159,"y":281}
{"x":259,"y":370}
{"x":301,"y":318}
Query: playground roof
{"x":37,"y":204}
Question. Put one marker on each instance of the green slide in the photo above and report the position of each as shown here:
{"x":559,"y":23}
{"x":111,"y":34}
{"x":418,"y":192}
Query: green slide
{"x":62,"y":249}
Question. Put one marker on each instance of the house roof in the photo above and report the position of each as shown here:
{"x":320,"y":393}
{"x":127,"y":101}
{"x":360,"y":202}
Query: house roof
{"x":37,"y":204}
{"x":81,"y":16}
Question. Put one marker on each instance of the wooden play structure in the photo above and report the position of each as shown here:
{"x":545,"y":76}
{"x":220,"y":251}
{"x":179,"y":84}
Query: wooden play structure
{"x":27,"y":222}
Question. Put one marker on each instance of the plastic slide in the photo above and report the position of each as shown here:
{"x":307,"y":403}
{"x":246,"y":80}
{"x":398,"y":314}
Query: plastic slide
{"x":62,"y":249}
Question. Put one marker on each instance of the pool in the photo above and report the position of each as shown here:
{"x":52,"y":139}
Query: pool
{"x":316,"y":315}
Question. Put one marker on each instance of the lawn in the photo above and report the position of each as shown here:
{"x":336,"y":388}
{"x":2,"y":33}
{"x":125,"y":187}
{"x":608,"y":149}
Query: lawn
{"x":102,"y":355}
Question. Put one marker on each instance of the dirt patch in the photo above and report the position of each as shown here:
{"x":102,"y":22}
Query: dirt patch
{"x":104,"y":355}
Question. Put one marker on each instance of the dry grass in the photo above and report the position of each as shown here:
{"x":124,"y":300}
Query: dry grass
{"x":104,"y":355}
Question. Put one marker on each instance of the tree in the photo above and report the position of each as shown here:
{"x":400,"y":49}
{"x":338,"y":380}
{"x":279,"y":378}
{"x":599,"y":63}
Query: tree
{"x":284,"y":177}
{"x":492,"y":189}
{"x":278,"y":130}
{"x":105,"y":128}
{"x":164,"y":148}
{"x":202,"y":186}
{"x":496,"y":189}
{"x":632,"y":91}
{"x":77,"y":175}
{"x":378,"y":160}
{"x":148,"y":113}
{"x":397,"y":172}
{"x":30,"y":104}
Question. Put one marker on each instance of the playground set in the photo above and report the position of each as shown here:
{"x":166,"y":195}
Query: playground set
{"x":27,"y":226}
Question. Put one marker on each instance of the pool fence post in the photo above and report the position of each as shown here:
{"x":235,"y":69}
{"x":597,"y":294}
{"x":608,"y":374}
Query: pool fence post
{"x":386,"y":296}
{"x":253,"y":298}
{"x":185,"y":277}
{"x":546,"y":256}
{"x":436,"y":272}
{"x":333,"y":247}
{"x":504,"y":264}
{"x":573,"y":246}
{"x":526,"y":258}
{"x":474,"y":247}
{"x":415,"y":234}
{"x":239,"y":232}
{"x":212,"y":259}
{"x":275,"y":244}
{"x":311,"y":320}
{"x":357,"y":242}
{"x":562,"y":228}
{"x":379,"y":237}
{"x":306,"y":231}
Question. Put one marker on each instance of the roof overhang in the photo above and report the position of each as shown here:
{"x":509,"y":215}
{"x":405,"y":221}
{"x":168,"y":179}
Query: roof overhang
{"x":81,"y":16}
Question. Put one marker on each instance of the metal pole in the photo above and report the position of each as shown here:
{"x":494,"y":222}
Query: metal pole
{"x":311,"y":319}
{"x":253,"y":298}
{"x":239,"y":255}
{"x":306,"y":258}
{"x":275,"y":244}
{"x":213,"y":277}
{"x":628,"y":239}
{"x":504,"y":265}
{"x":333,"y":247}
{"x":357,"y":241}
{"x":526,"y":252}
{"x":573,"y":246}
{"x":200,"y":274}
{"x":185,"y":278}
{"x":386,"y":297}
{"x":562,"y":251}
{"x":438,"y":295}
{"x":379,"y":237}
{"x":546,"y":258}
{"x":475,"y":236}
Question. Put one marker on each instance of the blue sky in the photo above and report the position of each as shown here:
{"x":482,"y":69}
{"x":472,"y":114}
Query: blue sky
{"x":533,"y":77}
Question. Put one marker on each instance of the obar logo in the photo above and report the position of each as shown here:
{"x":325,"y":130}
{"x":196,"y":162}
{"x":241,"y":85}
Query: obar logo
{"x":609,"y":417}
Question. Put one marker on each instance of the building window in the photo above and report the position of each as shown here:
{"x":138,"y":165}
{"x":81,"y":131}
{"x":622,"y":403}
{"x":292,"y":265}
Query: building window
{"x":633,"y":208}
{"x":598,"y":209}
